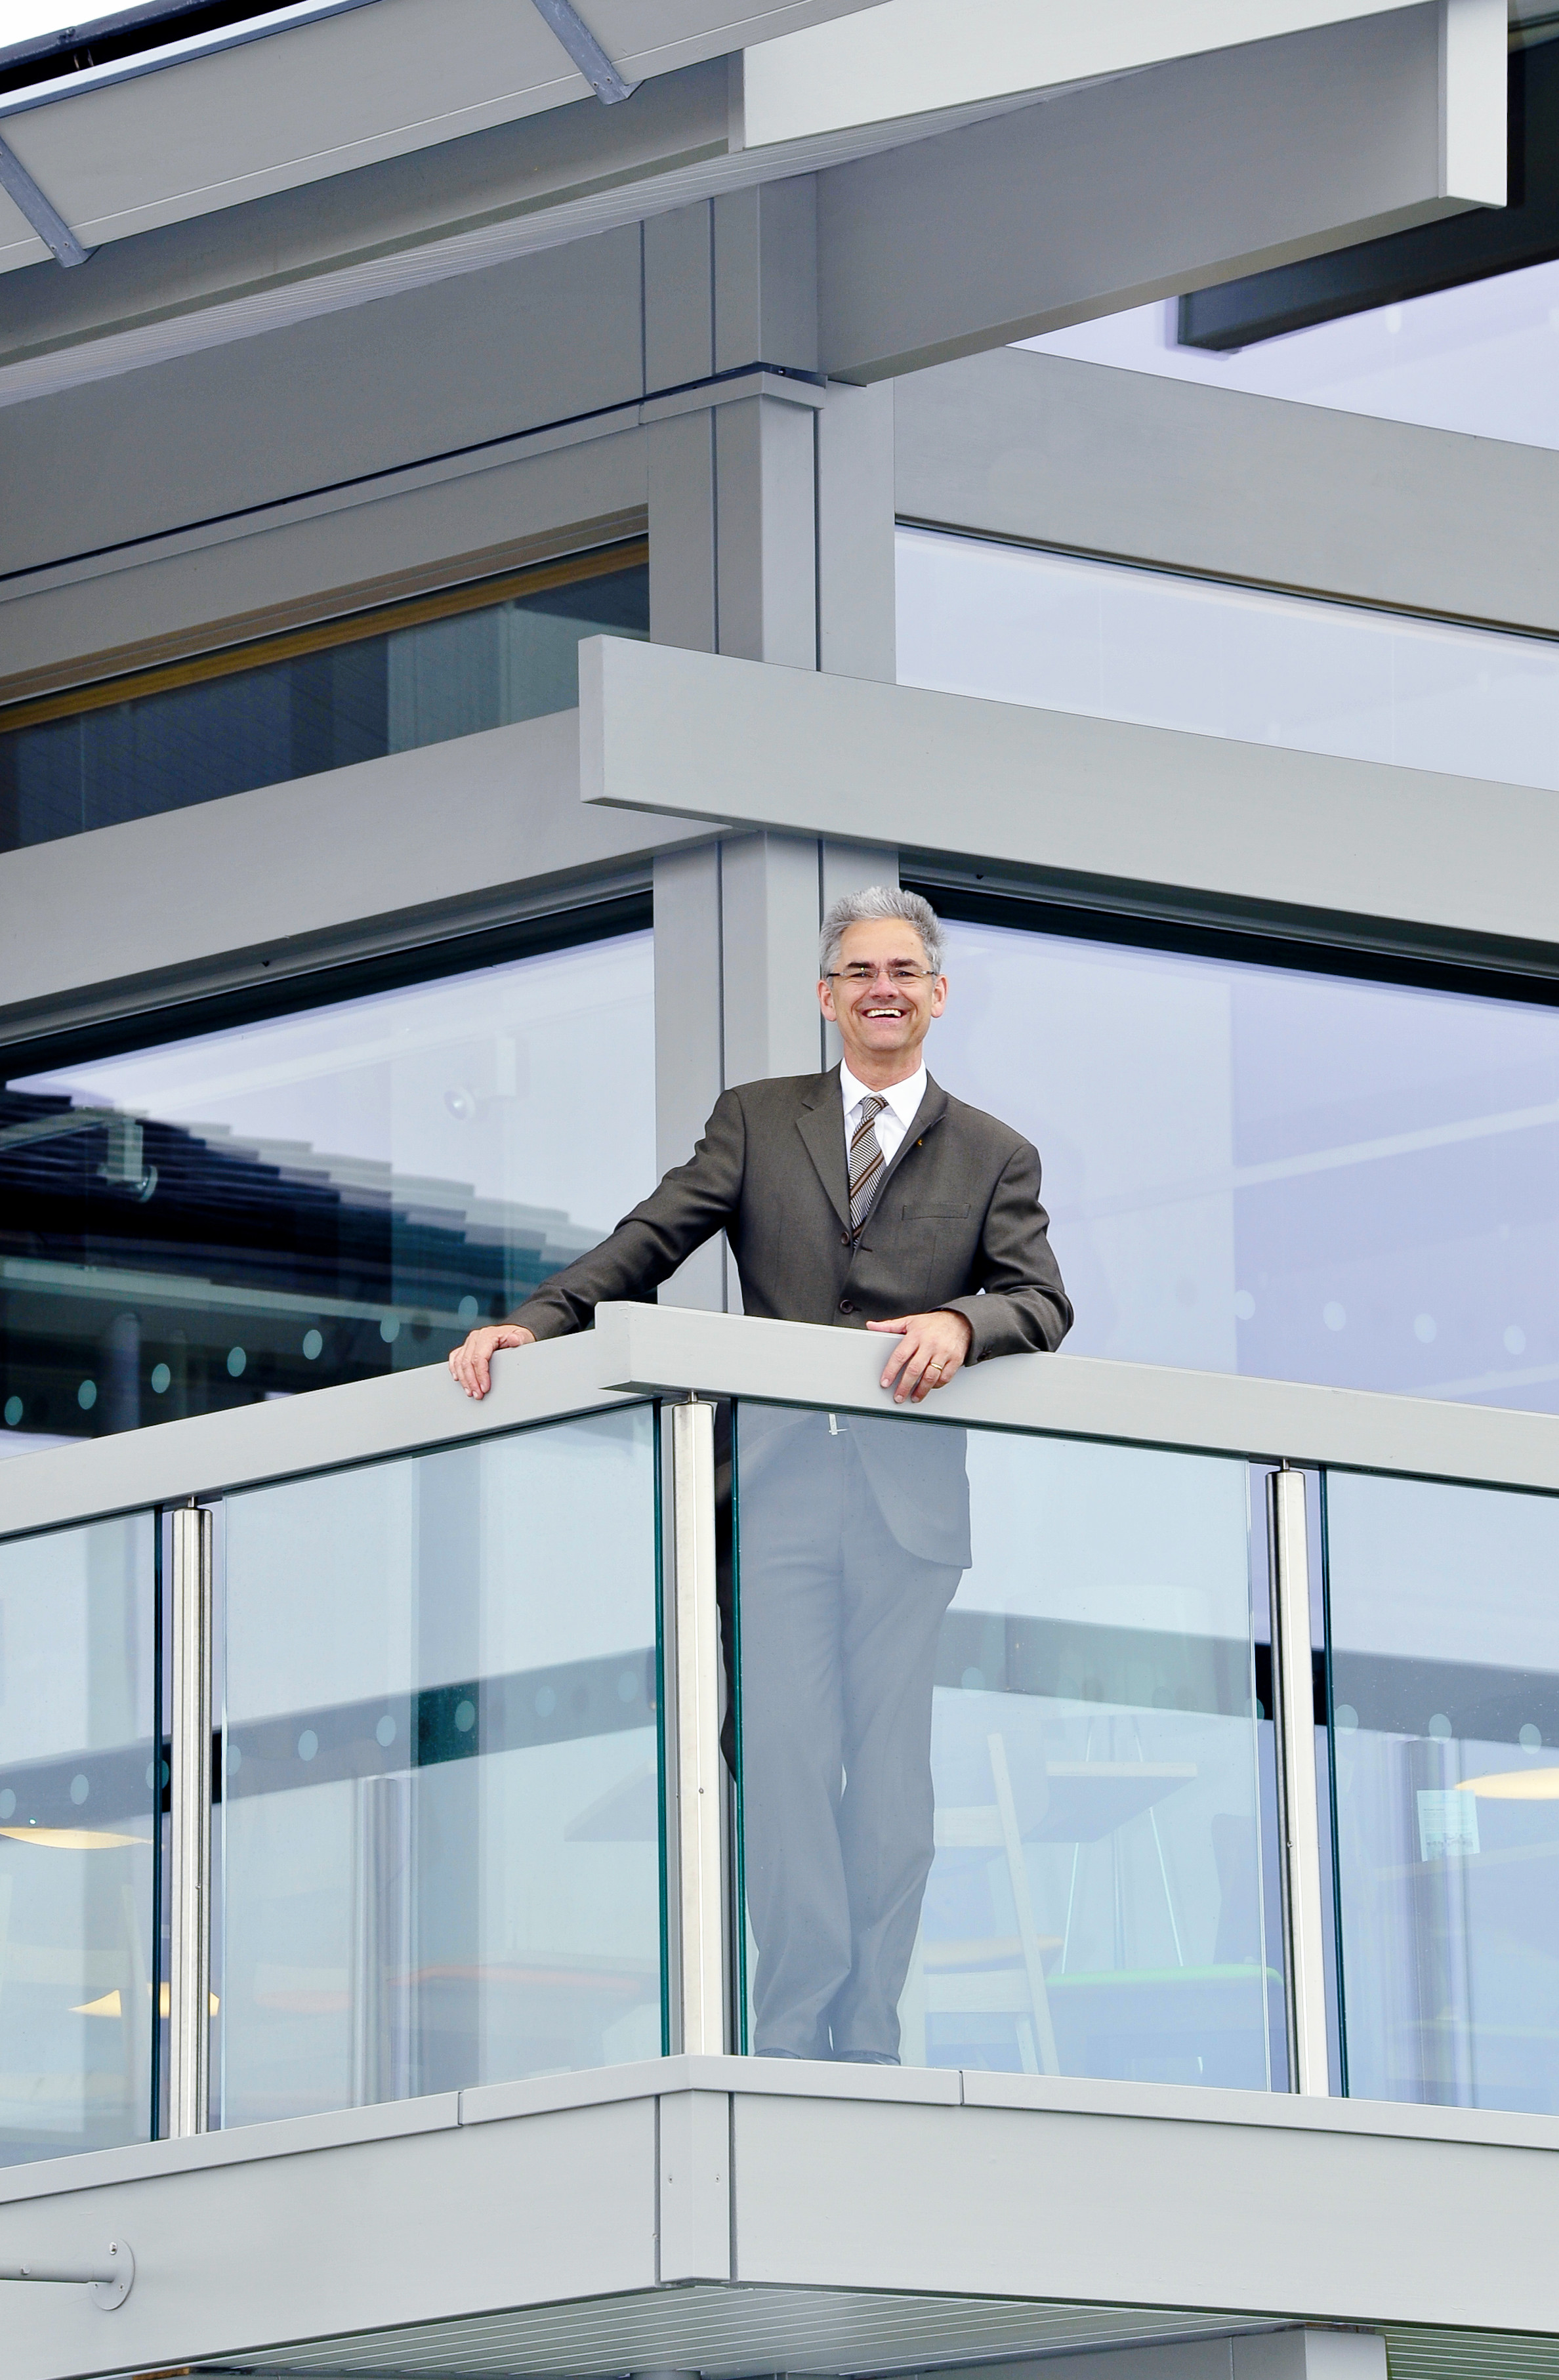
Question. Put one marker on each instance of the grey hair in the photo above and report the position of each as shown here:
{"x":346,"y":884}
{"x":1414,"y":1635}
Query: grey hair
{"x":867,"y":907}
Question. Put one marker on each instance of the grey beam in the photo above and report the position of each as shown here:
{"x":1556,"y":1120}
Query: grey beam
{"x":1087,"y":802}
{"x":431,"y":842}
{"x":1043,"y":449}
{"x":1196,"y":171}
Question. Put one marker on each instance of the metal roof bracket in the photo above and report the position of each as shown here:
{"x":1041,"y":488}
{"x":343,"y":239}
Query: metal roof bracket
{"x":586,"y":50}
{"x":46,"y":219}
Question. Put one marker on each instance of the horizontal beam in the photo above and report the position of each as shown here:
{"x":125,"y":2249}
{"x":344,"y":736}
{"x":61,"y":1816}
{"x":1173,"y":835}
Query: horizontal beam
{"x":1106,"y":196}
{"x":635,"y":1351}
{"x":1043,"y":449}
{"x":1085,"y":801}
{"x":883,"y":2219}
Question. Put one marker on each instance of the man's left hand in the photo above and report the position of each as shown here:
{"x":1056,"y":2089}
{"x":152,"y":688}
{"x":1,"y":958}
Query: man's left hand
{"x":931,"y":1348}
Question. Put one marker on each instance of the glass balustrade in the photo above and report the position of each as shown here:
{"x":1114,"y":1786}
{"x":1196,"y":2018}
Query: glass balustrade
{"x":79,"y":1800}
{"x":1445,"y":1708}
{"x":439,"y":1839}
{"x":1000,"y":1758}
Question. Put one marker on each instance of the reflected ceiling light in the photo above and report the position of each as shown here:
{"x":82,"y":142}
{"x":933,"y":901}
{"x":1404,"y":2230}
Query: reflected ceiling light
{"x":74,"y":1838}
{"x":111,"y":2004}
{"x":1514,"y":1785}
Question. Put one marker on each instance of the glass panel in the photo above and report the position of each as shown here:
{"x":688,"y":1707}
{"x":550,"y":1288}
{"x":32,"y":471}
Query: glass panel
{"x":356,"y":699}
{"x":1444,"y":1681}
{"x":1254,"y":1170}
{"x":998,"y":1753}
{"x":1478,"y":358}
{"x":440,"y":1821}
{"x":1018,"y":624}
{"x":79,"y":1801}
{"x":314,"y":1197}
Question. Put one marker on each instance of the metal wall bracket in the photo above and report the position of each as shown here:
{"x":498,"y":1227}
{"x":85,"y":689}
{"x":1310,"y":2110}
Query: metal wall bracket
{"x":586,"y":50}
{"x":41,"y":213}
{"x":111,"y":2279}
{"x":1298,"y":1815}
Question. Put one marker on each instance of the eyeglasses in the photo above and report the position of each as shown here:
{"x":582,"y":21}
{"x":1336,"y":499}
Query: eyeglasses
{"x":900,"y":972}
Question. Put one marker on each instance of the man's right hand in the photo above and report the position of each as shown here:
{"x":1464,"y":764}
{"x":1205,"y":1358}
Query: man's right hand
{"x":471,"y":1363}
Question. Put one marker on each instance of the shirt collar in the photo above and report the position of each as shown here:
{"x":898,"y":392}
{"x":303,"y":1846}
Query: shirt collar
{"x":904,"y":1098}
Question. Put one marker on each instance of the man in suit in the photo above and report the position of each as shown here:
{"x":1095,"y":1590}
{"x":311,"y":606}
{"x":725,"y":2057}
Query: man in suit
{"x":868,"y":1199}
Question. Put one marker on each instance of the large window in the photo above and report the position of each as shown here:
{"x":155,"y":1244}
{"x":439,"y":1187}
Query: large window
{"x":319,"y":1195}
{"x":1016,"y":624}
{"x":386,"y":680}
{"x":1252,"y":1168}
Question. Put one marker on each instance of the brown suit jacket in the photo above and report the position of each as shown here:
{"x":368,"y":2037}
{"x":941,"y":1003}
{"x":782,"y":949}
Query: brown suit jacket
{"x":957,"y":1223}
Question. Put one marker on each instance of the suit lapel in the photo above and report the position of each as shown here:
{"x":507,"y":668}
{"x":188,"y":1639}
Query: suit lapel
{"x":931,"y":1110}
{"x":821,"y":1126}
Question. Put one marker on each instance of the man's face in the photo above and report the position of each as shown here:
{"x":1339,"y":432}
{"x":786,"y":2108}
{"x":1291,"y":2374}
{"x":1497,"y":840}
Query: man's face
{"x":880,"y":1017}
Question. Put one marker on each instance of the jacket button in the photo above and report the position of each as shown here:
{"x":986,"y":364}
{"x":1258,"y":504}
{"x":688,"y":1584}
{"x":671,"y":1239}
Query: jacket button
{"x":847,"y":1305}
{"x":844,"y":1239}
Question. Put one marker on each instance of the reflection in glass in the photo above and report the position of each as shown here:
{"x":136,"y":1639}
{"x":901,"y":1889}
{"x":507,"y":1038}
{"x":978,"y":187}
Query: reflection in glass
{"x":314,"y":1197}
{"x":998,"y":1753}
{"x":1249,"y":1168}
{"x":1444,"y":1681}
{"x":1016,"y":623}
{"x":353,"y":690}
{"x":440,"y":1822}
{"x":79,"y":1799}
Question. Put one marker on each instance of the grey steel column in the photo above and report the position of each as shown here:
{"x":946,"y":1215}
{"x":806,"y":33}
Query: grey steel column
{"x":1298,"y":1818}
{"x":189,"y":1958}
{"x":694,"y":1764}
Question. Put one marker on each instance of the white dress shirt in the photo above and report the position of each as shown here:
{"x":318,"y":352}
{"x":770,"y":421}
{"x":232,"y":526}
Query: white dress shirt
{"x":893,"y":1121}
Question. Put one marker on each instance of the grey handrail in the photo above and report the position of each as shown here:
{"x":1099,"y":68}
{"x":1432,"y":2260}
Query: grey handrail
{"x":642,"y":1350}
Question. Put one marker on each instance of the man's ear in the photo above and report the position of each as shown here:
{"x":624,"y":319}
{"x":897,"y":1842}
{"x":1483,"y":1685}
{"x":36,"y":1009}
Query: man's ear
{"x":825,"y":999}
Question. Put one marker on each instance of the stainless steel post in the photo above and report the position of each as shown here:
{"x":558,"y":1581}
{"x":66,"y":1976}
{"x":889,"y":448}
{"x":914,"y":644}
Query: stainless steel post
{"x":695,"y":1765}
{"x":1299,"y":1816}
{"x":190,"y":1826}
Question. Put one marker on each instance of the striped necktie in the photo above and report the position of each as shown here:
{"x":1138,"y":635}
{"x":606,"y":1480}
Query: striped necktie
{"x":866,"y":1163}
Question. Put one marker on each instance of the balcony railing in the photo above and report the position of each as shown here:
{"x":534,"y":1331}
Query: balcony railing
{"x":1090,"y":1719}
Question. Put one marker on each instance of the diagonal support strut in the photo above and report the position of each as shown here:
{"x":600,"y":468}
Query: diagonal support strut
{"x":586,"y":50}
{"x":46,"y":218}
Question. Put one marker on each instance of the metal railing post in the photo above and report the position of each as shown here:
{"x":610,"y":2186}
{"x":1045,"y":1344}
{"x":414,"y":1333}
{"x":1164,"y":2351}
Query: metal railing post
{"x":695,"y":1814}
{"x":189,"y":1850}
{"x":1297,"y":1816}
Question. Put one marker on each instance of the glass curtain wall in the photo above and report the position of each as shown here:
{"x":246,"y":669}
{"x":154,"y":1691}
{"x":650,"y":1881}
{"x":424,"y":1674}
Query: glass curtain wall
{"x":1252,"y":1169}
{"x":315,"y":1197}
{"x":1001,"y":1762}
{"x":439,"y":1827}
{"x":1016,"y":624}
{"x":80,"y":1796}
{"x":318,"y":699}
{"x":1445,"y":1714}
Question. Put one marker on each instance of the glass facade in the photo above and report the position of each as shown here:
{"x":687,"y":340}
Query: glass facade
{"x":1000,"y":1760}
{"x":1015,"y":624}
{"x":79,"y":1801}
{"x":319,"y":699}
{"x":1252,"y":1169}
{"x":315,"y":1197}
{"x":439,"y":1829}
{"x":1445,"y":1707}
{"x":1478,"y":358}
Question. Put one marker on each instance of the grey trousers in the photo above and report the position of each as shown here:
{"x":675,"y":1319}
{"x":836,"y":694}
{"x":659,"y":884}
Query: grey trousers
{"x":839,"y":1635}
